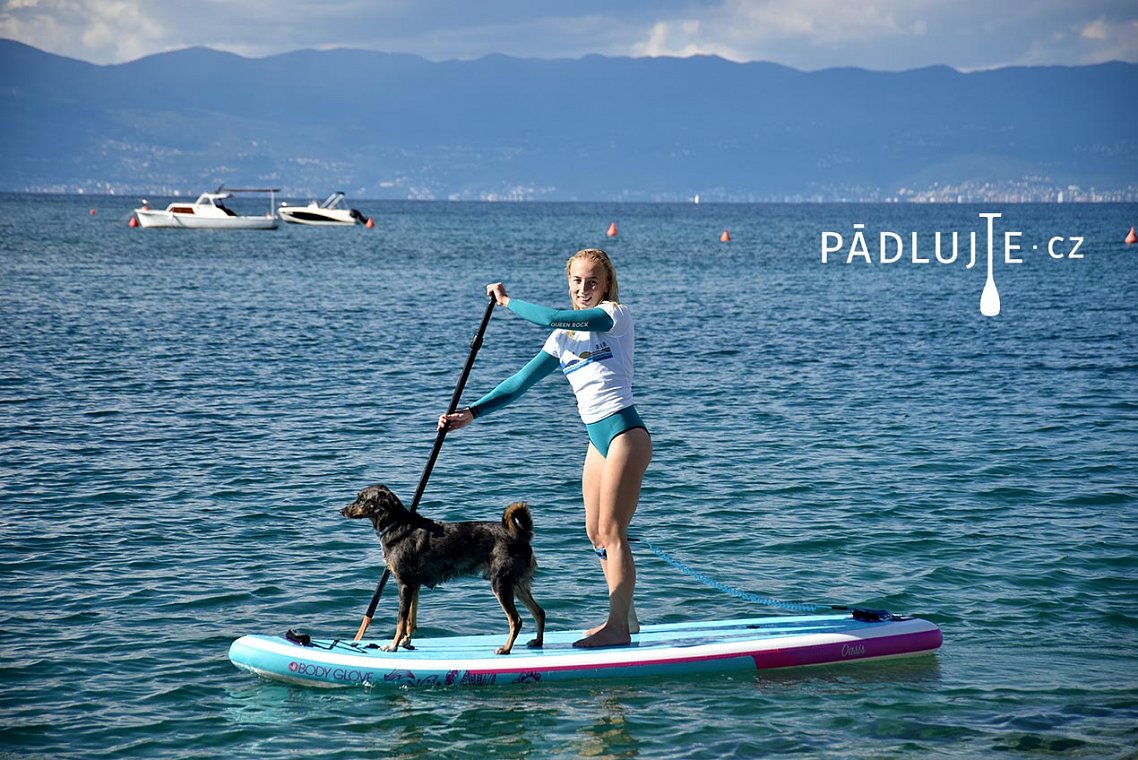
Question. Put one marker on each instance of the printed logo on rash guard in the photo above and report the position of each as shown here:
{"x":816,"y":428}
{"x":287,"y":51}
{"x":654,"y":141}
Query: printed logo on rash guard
{"x":585,"y":358}
{"x":571,"y":326}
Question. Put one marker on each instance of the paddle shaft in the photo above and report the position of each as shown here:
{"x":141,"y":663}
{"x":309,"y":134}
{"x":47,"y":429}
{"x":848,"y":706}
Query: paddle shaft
{"x":453,"y":407}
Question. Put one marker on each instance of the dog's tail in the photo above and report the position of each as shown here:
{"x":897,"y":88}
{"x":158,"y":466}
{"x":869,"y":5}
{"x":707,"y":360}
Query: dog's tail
{"x":518,"y":520}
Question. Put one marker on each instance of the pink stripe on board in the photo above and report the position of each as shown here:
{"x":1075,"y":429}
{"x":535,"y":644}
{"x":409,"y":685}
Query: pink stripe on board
{"x":858,"y":649}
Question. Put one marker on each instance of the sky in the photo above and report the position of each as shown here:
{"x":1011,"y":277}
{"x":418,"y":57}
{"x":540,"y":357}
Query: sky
{"x":883,"y":35}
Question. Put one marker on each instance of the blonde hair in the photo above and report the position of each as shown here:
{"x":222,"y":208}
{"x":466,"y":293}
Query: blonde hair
{"x":612,"y":293}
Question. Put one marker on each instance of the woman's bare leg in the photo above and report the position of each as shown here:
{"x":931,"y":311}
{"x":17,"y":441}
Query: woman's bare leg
{"x":591,"y":493}
{"x":612,"y":490}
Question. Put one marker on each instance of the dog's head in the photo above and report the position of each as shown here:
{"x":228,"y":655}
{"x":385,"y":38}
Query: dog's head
{"x":378,"y":504}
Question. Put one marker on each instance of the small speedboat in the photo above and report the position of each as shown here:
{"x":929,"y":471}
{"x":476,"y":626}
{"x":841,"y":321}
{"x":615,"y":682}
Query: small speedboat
{"x":208,"y":212}
{"x":329,"y":212}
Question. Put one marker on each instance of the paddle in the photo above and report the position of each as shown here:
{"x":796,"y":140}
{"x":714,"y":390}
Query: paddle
{"x":474,"y":346}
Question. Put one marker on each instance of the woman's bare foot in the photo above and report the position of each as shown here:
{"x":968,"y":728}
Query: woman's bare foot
{"x":633,"y":624}
{"x":633,"y":627}
{"x":605,"y":638}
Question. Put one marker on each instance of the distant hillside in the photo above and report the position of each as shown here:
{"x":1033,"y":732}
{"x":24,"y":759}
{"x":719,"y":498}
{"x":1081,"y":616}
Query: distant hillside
{"x":397,"y":126}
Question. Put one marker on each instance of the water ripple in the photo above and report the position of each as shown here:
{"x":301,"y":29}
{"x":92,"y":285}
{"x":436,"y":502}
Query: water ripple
{"x":182,"y":417}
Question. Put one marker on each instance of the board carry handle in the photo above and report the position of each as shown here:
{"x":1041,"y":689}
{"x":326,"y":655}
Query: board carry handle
{"x":474,"y":346}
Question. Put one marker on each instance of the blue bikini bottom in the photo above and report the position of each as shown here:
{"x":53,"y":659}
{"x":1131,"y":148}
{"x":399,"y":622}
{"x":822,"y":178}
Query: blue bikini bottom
{"x":602,"y":432}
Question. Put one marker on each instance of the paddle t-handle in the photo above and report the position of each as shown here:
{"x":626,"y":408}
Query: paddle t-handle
{"x":451,"y":409}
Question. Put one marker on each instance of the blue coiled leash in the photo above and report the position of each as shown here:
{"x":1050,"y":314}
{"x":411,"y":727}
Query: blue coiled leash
{"x":859,"y":613}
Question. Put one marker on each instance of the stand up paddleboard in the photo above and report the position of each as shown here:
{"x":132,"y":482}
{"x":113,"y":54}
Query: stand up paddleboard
{"x":668,"y":649}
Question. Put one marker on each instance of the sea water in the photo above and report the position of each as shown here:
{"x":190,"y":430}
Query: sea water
{"x":182,"y":414}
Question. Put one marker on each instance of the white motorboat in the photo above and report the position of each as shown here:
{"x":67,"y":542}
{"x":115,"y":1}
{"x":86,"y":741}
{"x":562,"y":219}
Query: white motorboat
{"x":330,"y":212}
{"x":208,"y":212}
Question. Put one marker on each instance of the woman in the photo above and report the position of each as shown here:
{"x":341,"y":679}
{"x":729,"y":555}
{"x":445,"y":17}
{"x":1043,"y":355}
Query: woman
{"x":592,"y":344}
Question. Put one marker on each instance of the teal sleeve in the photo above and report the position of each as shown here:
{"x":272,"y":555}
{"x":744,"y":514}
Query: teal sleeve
{"x":514,"y":386}
{"x":595,"y":319}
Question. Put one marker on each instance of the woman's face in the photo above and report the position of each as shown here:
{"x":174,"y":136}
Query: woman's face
{"x":588,"y":283}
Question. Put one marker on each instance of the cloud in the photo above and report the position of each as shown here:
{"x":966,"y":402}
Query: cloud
{"x":896,"y":34}
{"x":101,"y":31}
{"x":745,"y":30}
{"x":1085,"y":41}
{"x":1111,"y":42}
{"x":1095,"y":30}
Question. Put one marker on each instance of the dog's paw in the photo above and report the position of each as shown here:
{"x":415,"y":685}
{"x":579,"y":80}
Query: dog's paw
{"x":502,"y":650}
{"x":409,"y":647}
{"x":535,"y":643}
{"x":389,"y":648}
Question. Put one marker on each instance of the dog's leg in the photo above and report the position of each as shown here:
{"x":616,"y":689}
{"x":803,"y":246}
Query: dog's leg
{"x":413,"y":620}
{"x":407,"y":596}
{"x":538,"y":613}
{"x":408,"y":606}
{"x":394,"y":645}
{"x":505,"y":594}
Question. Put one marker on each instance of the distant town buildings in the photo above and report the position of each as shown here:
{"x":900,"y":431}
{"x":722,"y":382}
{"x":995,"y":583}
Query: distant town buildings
{"x":1026,"y":190}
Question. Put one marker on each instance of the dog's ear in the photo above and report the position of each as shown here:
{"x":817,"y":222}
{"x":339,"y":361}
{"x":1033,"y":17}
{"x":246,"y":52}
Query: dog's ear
{"x":388,"y":498}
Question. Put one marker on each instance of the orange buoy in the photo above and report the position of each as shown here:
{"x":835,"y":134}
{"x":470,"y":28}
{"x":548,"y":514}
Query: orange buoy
{"x":370,"y":223}
{"x":612,"y":230}
{"x":725,"y":237}
{"x":133,"y":220}
{"x":1131,"y":238}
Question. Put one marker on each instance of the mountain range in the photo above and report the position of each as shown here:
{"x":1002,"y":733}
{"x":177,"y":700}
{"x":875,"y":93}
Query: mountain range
{"x":381,"y":125}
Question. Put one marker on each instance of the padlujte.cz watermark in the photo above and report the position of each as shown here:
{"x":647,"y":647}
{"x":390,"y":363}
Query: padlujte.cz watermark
{"x":945,"y":249}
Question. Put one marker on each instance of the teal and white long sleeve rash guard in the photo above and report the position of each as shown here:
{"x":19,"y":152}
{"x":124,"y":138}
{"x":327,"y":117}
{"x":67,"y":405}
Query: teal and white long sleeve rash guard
{"x":593,"y":348}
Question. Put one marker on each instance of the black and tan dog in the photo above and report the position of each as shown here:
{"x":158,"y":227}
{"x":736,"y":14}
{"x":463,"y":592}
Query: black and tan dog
{"x":421,"y":552}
